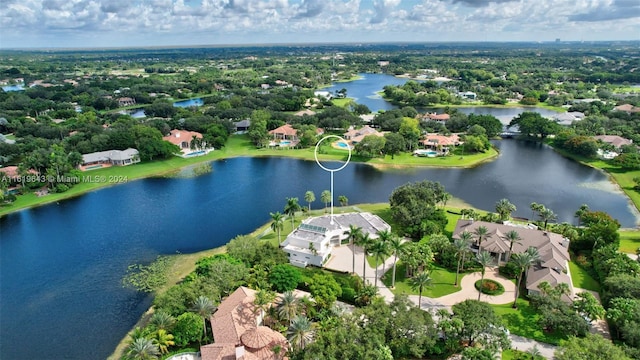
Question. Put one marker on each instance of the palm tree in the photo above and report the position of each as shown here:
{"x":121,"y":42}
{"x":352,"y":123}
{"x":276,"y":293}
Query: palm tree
{"x":290,"y":209}
{"x":204,"y":307}
{"x":385,"y":236}
{"x":444,"y":199}
{"x":309,"y":197}
{"x":163,"y":340}
{"x":162,"y":320}
{"x":278,"y":223}
{"x":325,"y":197}
{"x":535,"y":207}
{"x":353,"y":234}
{"x":504,"y":208}
{"x":419,"y":282}
{"x":561,"y":289}
{"x":142,"y":349}
{"x":366,"y":295}
{"x":288,"y":306}
{"x":263,"y":299}
{"x":547,"y":215}
{"x":484,"y":259}
{"x":514,"y":238}
{"x":300,"y":332}
{"x":379,"y":250}
{"x":343,"y":200}
{"x":461,"y":247}
{"x":467,"y":237}
{"x":396,"y":246}
{"x":523,"y":261}
{"x":545,"y":288}
{"x":365,"y":243}
{"x":481,"y":233}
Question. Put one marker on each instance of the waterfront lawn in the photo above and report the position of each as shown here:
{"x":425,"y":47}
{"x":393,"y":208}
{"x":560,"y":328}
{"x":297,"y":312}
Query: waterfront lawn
{"x":343,"y":102}
{"x":523,"y":321}
{"x":443,"y":280}
{"x":629,"y":241}
{"x":581,"y":278}
{"x":513,"y":354}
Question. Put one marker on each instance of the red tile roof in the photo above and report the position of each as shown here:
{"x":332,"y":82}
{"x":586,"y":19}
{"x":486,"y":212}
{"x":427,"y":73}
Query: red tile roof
{"x":286,"y":130}
{"x":177,"y":137}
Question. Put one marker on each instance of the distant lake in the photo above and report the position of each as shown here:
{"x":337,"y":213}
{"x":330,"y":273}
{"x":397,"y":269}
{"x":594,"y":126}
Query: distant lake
{"x":364,"y":91}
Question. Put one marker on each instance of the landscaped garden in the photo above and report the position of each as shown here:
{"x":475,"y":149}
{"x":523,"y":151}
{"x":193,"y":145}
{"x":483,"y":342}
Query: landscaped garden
{"x":442,"y":282}
{"x":489,"y":287}
{"x":523,"y":321}
{"x":581,"y":278}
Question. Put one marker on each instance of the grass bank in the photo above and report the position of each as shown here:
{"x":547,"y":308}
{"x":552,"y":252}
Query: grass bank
{"x":629,"y":241}
{"x":523,"y":321}
{"x":237,"y":146}
{"x":581,"y":278}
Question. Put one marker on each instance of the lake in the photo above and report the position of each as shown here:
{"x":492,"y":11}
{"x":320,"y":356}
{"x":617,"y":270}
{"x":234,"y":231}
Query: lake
{"x":139,"y":112}
{"x":364,"y":91}
{"x":61,"y":264}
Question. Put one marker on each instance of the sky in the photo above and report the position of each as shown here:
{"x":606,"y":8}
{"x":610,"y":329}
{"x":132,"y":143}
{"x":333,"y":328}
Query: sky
{"x":134,"y":23}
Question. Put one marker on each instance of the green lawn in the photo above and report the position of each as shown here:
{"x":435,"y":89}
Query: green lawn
{"x":629,"y":241}
{"x":581,"y":278}
{"x":443,"y":280}
{"x":513,"y":354}
{"x":523,"y":321}
{"x":344,"y":102}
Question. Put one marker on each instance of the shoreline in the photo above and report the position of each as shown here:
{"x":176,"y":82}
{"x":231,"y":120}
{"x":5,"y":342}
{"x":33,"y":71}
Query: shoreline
{"x":175,"y":164}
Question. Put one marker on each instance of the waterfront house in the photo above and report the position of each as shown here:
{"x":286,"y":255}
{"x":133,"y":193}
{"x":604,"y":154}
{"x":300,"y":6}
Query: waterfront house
{"x":284,"y":132}
{"x":439,"y":142}
{"x":617,"y":141}
{"x":126,"y":101}
{"x":182,"y":138}
{"x":312,"y":242}
{"x":110,"y":157}
{"x":242,"y":126}
{"x":553,"y":266}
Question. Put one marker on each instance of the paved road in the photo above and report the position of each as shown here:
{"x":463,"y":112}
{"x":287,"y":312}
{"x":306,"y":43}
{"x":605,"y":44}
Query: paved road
{"x":525,"y":344}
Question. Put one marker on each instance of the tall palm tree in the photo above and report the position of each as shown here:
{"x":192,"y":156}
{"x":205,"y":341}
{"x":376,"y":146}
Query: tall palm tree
{"x":277,"y":223}
{"x":204,"y":307}
{"x":461,"y":247}
{"x":535,"y":207}
{"x":163,"y":340}
{"x":162,"y":320}
{"x":523,"y":261}
{"x":288,"y":306}
{"x":514,"y":238}
{"x":290,"y":209}
{"x":584,"y":208}
{"x":419,"y":282}
{"x":385,"y":236}
{"x":353,"y":234}
{"x":365,"y":243}
{"x":467,"y":237}
{"x":142,"y":349}
{"x":300,"y":332}
{"x":325,"y":197}
{"x":309,"y":197}
{"x":397,"y":247}
{"x":481,"y":233}
{"x":504,"y":208}
{"x":379,"y":250}
{"x":561,"y":289}
{"x":484,"y":259}
{"x":547,"y":215}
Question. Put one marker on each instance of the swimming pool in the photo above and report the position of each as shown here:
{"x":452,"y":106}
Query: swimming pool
{"x":342,"y":145}
{"x":195,"y":153}
{"x":285,"y":143}
{"x":428,"y":153}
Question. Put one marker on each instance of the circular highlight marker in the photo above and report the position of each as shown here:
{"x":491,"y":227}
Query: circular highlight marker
{"x":315,"y":153}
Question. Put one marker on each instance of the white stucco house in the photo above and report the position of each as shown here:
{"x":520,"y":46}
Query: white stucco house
{"x":311,"y":243}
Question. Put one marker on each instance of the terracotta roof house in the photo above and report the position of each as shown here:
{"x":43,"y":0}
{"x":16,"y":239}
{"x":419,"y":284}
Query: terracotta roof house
{"x":238,"y":334}
{"x":312,"y":242}
{"x":182,"y":138}
{"x":436,"y":117}
{"x":110,"y":157}
{"x":628,"y":108}
{"x":440,"y":142}
{"x":614,"y":140}
{"x":284,"y":132}
{"x":356,"y":135}
{"x":553,"y":266}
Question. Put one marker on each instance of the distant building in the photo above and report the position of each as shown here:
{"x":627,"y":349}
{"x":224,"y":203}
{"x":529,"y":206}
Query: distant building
{"x":628,"y":108}
{"x":242,"y":125}
{"x":312,"y":242}
{"x":182,"y":138}
{"x":126,"y":101}
{"x":469,"y":95}
{"x":615,"y":140}
{"x":356,"y":135}
{"x":323,"y":94}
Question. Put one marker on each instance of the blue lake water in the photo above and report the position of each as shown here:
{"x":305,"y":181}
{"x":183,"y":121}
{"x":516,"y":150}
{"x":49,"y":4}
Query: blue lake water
{"x":189,"y":103}
{"x":61,"y":264}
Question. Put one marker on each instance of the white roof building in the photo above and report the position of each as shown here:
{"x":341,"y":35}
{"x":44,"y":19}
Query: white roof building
{"x":311,"y":243}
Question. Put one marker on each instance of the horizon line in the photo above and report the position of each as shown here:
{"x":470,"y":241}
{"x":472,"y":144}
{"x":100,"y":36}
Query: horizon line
{"x":308,"y":44}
